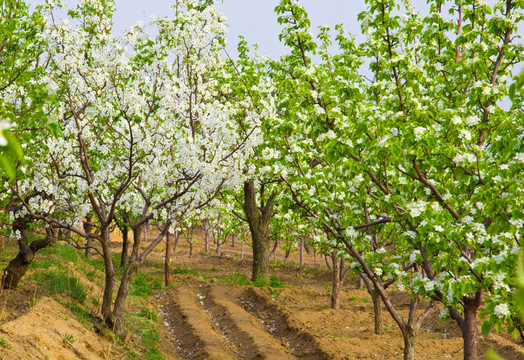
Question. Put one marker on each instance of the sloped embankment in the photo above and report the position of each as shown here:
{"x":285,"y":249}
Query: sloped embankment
{"x":50,"y":331}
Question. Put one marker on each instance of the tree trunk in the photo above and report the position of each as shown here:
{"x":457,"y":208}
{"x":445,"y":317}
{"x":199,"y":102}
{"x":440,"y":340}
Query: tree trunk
{"x":116,"y":320}
{"x":258,"y":219}
{"x":377,"y":303}
{"x":88,"y":227}
{"x":168,"y":259}
{"x":326,"y":259}
{"x":233,"y":237}
{"x":360,"y":282}
{"x":409,"y":333}
{"x":242,"y":251}
{"x":109,"y":283}
{"x":301,"y":252}
{"x":17,"y":267}
{"x":217,"y":248}
{"x":125,"y":244}
{"x":260,"y":255}
{"x":469,"y":331}
{"x":286,"y":255}
{"x":177,"y":237}
{"x":336,"y":280}
{"x":206,"y":242}
{"x":377,"y":311}
{"x":191,"y":248}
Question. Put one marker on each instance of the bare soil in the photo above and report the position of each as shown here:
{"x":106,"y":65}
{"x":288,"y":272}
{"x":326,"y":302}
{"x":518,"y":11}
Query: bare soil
{"x":204,"y":314}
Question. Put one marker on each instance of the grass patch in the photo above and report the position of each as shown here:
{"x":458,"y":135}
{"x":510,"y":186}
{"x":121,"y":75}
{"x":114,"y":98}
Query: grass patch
{"x":276,"y":282}
{"x":309,"y":271}
{"x":4,"y":344}
{"x":236,"y":278}
{"x":59,"y":282}
{"x":273,"y":281}
{"x":141,"y":285}
{"x":68,"y":338}
{"x":63,"y":252}
{"x":41,"y":264}
{"x":148,"y":313}
{"x":144,"y":324}
{"x":356,"y":298}
{"x":81,"y":315}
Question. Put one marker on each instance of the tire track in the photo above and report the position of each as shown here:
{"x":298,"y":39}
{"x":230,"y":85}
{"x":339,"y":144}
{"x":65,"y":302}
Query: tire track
{"x":195,"y":337}
{"x":249,"y":337}
{"x":281,"y":325}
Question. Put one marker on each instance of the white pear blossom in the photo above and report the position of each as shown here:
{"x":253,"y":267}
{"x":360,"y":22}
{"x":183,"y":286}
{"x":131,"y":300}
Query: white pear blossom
{"x":4,"y":125}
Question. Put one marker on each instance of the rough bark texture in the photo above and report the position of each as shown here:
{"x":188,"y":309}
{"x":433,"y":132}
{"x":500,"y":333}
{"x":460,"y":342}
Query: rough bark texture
{"x":17,"y":267}
{"x":409,"y":335}
{"x":302,"y":252}
{"x":125,"y":244}
{"x":258,"y":218}
{"x":88,"y":227}
{"x":109,"y":281}
{"x":206,"y":241}
{"x":167,"y":259}
{"x":377,"y":303}
{"x":336,"y":282}
{"x":217,"y":247}
{"x":377,"y":312}
{"x":116,"y":321}
{"x":469,"y":330}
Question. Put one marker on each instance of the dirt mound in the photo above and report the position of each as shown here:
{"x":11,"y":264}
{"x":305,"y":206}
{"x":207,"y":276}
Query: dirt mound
{"x":50,"y":331}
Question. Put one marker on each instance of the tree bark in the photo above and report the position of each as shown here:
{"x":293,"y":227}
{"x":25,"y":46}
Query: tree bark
{"x":377,"y":303}
{"x":217,"y":248}
{"x":116,"y":320}
{"x":177,"y":237}
{"x":258,"y":219}
{"x":377,"y":312}
{"x":409,"y":333}
{"x":336,"y":282}
{"x":469,"y":331}
{"x":88,"y":227}
{"x":125,"y":244}
{"x":17,"y":267}
{"x":206,"y":241}
{"x":109,"y":283}
{"x":167,"y":259}
{"x":301,"y":252}
{"x":242,"y":251}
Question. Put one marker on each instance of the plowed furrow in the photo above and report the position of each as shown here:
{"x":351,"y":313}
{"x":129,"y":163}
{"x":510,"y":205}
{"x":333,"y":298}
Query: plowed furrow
{"x":249,"y":337}
{"x":195,"y":335}
{"x":281,"y":325}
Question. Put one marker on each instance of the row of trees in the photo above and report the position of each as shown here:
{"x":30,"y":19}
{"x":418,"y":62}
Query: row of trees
{"x":396,"y":155}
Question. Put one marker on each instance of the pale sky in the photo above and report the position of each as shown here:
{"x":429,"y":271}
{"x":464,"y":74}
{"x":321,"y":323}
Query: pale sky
{"x":255,"y":19}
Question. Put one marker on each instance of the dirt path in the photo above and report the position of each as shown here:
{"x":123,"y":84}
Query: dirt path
{"x":219,"y":321}
{"x":281,"y":325}
{"x":194,"y":333}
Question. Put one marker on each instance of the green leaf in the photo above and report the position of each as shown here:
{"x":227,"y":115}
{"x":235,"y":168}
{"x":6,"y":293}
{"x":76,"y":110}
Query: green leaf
{"x":492,"y":355}
{"x":486,"y":327}
{"x":12,"y":145}
{"x":7,"y":166}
